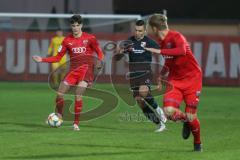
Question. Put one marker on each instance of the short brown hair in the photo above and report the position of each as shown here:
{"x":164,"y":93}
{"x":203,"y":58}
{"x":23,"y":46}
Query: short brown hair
{"x":159,"y":21}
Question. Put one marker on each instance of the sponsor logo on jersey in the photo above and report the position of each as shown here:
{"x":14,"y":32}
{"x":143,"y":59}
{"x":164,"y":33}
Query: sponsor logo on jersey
{"x":79,"y":50}
{"x":138,"y":51}
{"x":167,"y":57}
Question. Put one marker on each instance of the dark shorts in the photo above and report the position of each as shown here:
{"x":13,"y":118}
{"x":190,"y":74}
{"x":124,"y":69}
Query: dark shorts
{"x":140,"y":78}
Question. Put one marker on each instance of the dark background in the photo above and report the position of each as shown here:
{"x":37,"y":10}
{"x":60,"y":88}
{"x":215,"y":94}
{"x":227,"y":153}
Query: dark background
{"x":182,"y":9}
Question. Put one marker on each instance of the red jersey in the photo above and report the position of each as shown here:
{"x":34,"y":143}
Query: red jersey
{"x":178,"y":56}
{"x":81,"y":50}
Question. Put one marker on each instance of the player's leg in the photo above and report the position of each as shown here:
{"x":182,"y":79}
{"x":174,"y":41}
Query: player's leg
{"x":191,"y":98}
{"x":144,"y":92}
{"x":55,"y":74}
{"x":63,"y":88}
{"x":81,"y":88}
{"x":146,"y":110}
{"x":193,"y":123}
{"x":171,"y":104}
{"x":62,"y":71}
{"x":142,"y":104}
{"x":150,"y":107}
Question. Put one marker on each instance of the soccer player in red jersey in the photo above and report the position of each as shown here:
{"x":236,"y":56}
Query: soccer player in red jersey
{"x":184,"y":73}
{"x":81,"y":48}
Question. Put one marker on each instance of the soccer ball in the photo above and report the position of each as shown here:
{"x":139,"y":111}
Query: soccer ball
{"x":54,"y":120}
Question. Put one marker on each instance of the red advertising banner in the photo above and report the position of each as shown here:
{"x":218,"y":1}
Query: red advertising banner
{"x":219,"y":57}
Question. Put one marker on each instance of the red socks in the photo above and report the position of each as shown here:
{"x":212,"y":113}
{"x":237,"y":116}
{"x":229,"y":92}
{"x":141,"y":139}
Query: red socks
{"x":194,"y":124}
{"x":59,"y":105}
{"x":77,"y":111}
{"x":195,"y":128}
{"x":77,"y":108}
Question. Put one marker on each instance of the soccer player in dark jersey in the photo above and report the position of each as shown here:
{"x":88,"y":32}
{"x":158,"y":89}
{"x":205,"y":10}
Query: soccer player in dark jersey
{"x":81,"y":48}
{"x":184,"y":73}
{"x":140,"y":74}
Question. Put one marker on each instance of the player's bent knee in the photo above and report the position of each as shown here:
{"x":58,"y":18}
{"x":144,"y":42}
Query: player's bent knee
{"x":60,"y":94}
{"x":82,"y":84}
{"x":138,"y":98}
{"x":191,"y":116}
{"x":169,"y":110}
{"x":78,"y":97}
{"x":143,"y":90}
{"x":191,"y":112}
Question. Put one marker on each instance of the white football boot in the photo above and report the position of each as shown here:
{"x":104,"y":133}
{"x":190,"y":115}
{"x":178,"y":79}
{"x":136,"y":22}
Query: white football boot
{"x":76,"y":127}
{"x":161,"y":128}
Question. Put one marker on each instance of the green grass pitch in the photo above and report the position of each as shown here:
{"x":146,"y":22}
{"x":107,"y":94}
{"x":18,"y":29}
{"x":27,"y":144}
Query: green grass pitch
{"x":24,"y":134}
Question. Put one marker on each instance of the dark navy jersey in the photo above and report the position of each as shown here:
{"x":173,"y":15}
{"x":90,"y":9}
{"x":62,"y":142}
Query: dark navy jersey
{"x":140,"y":59}
{"x":138,"y":54}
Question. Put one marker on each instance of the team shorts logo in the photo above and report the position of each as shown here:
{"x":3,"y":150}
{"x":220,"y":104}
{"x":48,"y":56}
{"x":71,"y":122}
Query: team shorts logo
{"x":198,"y":93}
{"x":79,"y":50}
{"x":169,"y":45}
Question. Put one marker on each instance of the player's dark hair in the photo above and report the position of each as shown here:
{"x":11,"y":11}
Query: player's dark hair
{"x":159,"y":21}
{"x":76,"y":19}
{"x":140,"y":23}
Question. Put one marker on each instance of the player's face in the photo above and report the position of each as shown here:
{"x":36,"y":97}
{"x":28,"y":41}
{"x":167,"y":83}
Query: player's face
{"x":139,"y":32}
{"x":76,"y":28}
{"x":59,"y":33}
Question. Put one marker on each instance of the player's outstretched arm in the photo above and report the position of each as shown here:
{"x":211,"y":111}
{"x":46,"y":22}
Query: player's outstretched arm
{"x":153,"y":50}
{"x":37,"y":58}
{"x":178,"y":50}
{"x":52,"y":59}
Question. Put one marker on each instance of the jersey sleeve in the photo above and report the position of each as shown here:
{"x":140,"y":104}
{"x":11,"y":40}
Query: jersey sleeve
{"x":152,"y":44}
{"x":96,"y":47}
{"x":61,"y":52}
{"x":180,"y":47}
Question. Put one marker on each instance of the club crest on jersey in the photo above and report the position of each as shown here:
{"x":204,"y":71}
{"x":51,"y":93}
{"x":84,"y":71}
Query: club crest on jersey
{"x":85,"y":42}
{"x":143,"y":44}
{"x":79,"y":50}
{"x":169,"y":45}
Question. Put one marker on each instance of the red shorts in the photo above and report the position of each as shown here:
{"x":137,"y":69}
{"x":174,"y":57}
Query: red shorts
{"x":187,"y":89}
{"x":82,"y":73}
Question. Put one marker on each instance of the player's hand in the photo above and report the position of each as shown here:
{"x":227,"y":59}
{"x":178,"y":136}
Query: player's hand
{"x":125,"y":46}
{"x":119,"y":50}
{"x":37,"y":58}
{"x":99,"y":64}
{"x":153,"y":50}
